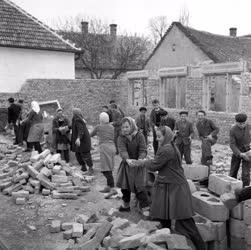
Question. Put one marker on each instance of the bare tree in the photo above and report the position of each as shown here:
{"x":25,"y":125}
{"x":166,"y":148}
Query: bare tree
{"x":158,"y":26}
{"x":102,"y":52}
{"x":184,"y":16}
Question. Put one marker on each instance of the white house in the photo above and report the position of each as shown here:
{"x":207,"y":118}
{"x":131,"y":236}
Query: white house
{"x":30,"y":49}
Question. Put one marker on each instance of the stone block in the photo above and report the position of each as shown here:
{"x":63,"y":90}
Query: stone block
{"x":195,"y":172}
{"x":217,"y":245}
{"x":247,"y":212}
{"x":55,"y":158}
{"x":237,"y":228}
{"x":248,"y":235}
{"x":237,"y":244}
{"x":132,"y":241}
{"x":210,"y":230}
{"x":32,"y":172}
{"x":59,"y":179}
{"x":237,"y":211}
{"x":77,"y":230}
{"x":20,"y":201}
{"x":57,"y":195}
{"x":66,"y":225}
{"x":67,"y":234}
{"x":55,"y":226}
{"x":44,"y":154}
{"x":209,"y":206}
{"x":176,"y":241}
{"x":46,"y":191}
{"x":120,"y":223}
{"x":220,"y":184}
{"x":46,"y":172}
{"x":20,"y":194}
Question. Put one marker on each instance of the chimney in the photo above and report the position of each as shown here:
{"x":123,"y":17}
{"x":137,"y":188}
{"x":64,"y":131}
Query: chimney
{"x":233,"y":32}
{"x":113,"y":30}
{"x":84,"y":27}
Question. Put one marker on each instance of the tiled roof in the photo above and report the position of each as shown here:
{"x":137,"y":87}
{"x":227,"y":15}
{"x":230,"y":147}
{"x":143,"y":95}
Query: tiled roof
{"x":21,"y":30}
{"x":217,"y":47}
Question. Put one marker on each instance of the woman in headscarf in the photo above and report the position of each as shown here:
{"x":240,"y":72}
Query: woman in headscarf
{"x":132,"y":145}
{"x":36,"y":131}
{"x":61,"y":131}
{"x":171,"y":197}
{"x":81,"y":141}
{"x":105,"y":133}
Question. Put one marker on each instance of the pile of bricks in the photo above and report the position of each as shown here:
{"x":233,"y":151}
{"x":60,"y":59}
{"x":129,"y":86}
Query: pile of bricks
{"x":112,"y":232}
{"x":42,"y":173}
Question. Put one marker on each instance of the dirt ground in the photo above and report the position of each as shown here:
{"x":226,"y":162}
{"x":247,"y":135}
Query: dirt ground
{"x":26,"y":226}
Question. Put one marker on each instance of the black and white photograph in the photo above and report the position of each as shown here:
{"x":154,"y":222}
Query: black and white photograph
{"x":125,"y":125}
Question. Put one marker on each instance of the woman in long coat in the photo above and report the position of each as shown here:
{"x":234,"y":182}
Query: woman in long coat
{"x":105,"y":133}
{"x":132,"y":145}
{"x":36,"y":131}
{"x":81,"y":141}
{"x":171,"y":197}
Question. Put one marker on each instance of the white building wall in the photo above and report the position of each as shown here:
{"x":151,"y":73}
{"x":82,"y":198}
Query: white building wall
{"x":17,"y":65}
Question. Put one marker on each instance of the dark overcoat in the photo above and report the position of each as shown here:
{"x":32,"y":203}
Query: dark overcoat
{"x":171,"y":197}
{"x":79,"y":130}
{"x":64,"y":136}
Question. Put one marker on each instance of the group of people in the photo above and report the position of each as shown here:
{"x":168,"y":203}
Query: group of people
{"x":129,"y":138}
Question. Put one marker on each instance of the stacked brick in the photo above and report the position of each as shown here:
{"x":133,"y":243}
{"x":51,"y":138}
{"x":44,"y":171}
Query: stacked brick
{"x":43,"y":173}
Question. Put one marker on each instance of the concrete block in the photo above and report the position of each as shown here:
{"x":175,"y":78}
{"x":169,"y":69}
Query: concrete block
{"x":217,"y":245}
{"x":66,"y":225}
{"x":132,"y":241}
{"x":237,"y":244}
{"x":77,"y":230}
{"x":209,"y":206}
{"x":247,"y":212}
{"x":55,"y":226}
{"x":46,"y":191}
{"x":46,"y":172}
{"x":210,"y":230}
{"x":59,"y":179}
{"x":195,"y":172}
{"x":44,"y":154}
{"x":220,"y":184}
{"x":176,"y":241}
{"x":192,"y":186}
{"x":55,"y":158}
{"x":20,"y":201}
{"x":32,"y":172}
{"x":67,"y":234}
{"x":20,"y":194}
{"x":229,"y":200}
{"x":248,"y":235}
{"x":56,"y":195}
{"x":237,"y":228}
{"x":237,"y":211}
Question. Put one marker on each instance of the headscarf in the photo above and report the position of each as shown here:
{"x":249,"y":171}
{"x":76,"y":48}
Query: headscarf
{"x":104,"y":118}
{"x":35,"y":106}
{"x":168,"y":135}
{"x":132,"y":123}
{"x":77,"y":113}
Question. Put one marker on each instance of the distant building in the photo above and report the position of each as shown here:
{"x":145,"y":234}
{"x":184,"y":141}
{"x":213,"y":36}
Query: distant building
{"x":30,"y":49}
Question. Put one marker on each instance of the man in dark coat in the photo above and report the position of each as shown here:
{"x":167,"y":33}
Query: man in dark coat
{"x":240,"y":143}
{"x":207,"y":131}
{"x":108,"y":111}
{"x":81,"y":141}
{"x":13,"y":115}
{"x":143,"y":123}
{"x":168,"y":121}
{"x":118,"y":107}
{"x":155,"y":119}
{"x":184,"y":132}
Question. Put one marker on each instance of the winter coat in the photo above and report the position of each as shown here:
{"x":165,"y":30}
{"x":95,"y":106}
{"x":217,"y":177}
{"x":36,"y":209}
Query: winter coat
{"x":185,"y":130}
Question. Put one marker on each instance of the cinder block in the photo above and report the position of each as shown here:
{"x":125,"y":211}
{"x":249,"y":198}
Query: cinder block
{"x":195,"y":172}
{"x":247,"y":212}
{"x":248,"y":235}
{"x":209,"y":206}
{"x":237,"y":228}
{"x":237,"y":211}
{"x":20,"y":201}
{"x":210,"y":230}
{"x":55,"y":226}
{"x":217,"y":245}
{"x":220,"y":184}
{"x":77,"y":230}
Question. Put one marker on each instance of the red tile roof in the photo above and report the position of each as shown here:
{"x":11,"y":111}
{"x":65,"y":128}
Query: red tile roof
{"x":217,"y":47}
{"x":21,"y":30}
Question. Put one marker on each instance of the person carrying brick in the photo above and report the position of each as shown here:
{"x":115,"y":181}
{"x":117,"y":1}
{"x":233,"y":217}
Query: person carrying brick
{"x":184,"y":132}
{"x":155,"y":119}
{"x":208,"y":132}
{"x":240,"y":143}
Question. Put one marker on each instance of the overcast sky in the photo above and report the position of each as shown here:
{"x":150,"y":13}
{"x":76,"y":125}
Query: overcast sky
{"x":215,"y":16}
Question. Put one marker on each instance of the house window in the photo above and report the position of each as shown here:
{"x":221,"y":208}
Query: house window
{"x":139,"y":93}
{"x":173,"y":90}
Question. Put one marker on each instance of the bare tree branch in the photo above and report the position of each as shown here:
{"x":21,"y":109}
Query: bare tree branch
{"x":184,"y":16}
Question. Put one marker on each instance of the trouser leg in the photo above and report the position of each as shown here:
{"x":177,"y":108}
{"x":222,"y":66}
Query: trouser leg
{"x":235,"y":165}
{"x":37,"y":146}
{"x":116,"y":135}
{"x":80,"y":161}
{"x":166,"y":223}
{"x":16,"y":132}
{"x":66,"y":155}
{"x":187,"y":153}
{"x":126,"y":195}
{"x":155,"y":142}
{"x":245,"y":176}
{"x":87,"y":159}
{"x":109,"y":178}
{"x":187,"y":227}
{"x":181,"y":149}
{"x":20,"y":134}
{"x":244,"y":194}
{"x":142,"y":198}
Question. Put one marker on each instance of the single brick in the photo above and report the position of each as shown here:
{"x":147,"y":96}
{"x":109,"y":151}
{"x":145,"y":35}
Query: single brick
{"x":195,"y":172}
{"x":20,"y":201}
{"x":59,"y":179}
